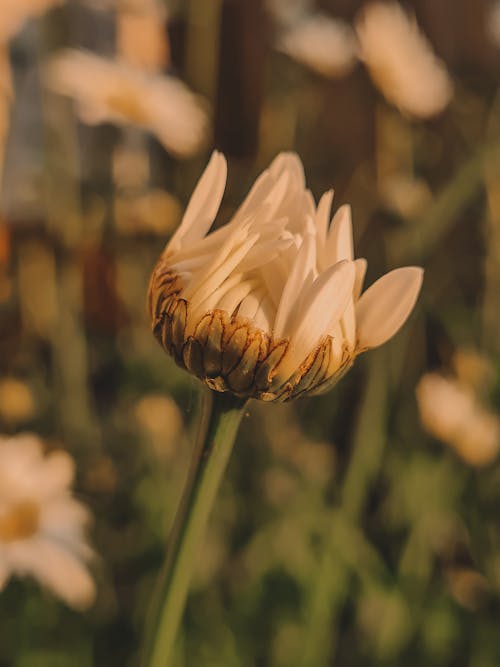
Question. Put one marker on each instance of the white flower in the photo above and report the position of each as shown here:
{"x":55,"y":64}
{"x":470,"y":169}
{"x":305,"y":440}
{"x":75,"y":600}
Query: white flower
{"x":400,"y":60}
{"x":450,"y":412}
{"x":269,"y":304}
{"x":42,"y":528}
{"x":323,"y":44}
{"x":13,"y":13}
{"x":109,"y":91}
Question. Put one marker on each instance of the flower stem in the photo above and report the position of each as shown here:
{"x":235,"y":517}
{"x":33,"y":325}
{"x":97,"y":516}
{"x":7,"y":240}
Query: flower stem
{"x":220,"y":418}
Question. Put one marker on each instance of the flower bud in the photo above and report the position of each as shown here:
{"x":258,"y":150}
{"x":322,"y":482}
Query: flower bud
{"x":268,"y":306}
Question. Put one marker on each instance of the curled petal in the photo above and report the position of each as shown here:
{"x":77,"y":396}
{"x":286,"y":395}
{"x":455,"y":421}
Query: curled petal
{"x":204,"y":202}
{"x":386,"y":305}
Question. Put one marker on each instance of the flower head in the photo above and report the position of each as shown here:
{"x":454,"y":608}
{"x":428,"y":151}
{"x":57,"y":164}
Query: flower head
{"x":41,"y":526}
{"x":109,"y":91}
{"x":400,"y":60}
{"x":268,"y":305}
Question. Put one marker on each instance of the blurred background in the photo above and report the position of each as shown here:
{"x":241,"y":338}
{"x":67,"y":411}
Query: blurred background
{"x":356,"y":528}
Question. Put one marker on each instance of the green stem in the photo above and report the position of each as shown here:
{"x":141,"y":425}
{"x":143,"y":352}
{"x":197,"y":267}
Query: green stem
{"x":221,"y":415}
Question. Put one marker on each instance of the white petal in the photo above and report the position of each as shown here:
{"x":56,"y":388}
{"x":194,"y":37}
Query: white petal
{"x":325,"y":302}
{"x":265,"y":314}
{"x":250,"y":304}
{"x":211,"y":282}
{"x":55,"y":473}
{"x":56,"y":568}
{"x":274,"y":275}
{"x":258,"y":193}
{"x":348,"y":325}
{"x":291,"y":163}
{"x":204,"y":203}
{"x":302,"y":267}
{"x":385,"y":306}
{"x":231,"y":295}
{"x":263,"y":253}
{"x":339,"y":244}
{"x":321,"y":219}
{"x":360,"y":268}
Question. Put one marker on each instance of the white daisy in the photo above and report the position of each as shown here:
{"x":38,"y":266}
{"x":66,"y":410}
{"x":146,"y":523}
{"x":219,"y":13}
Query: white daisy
{"x":109,"y":91}
{"x":42,"y":528}
{"x":323,"y":44}
{"x":269,"y":305}
{"x":450,"y":412}
{"x":401,"y":61}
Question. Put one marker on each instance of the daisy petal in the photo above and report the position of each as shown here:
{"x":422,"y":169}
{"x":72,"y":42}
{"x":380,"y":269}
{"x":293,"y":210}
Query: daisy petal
{"x":321,"y":219}
{"x":204,"y":203}
{"x":360,"y":268}
{"x":301,"y":269}
{"x":385,"y":306}
{"x":339,"y":244}
{"x":326,"y":301}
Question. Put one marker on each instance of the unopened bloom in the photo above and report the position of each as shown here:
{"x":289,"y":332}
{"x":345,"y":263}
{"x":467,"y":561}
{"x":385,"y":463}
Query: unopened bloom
{"x":109,"y":91}
{"x":268,"y":305}
{"x":42,"y":528}
{"x":451,"y":412}
{"x":401,"y":61}
{"x":325,"y":45}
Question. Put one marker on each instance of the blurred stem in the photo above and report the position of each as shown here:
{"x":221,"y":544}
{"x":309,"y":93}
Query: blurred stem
{"x":220,"y":418}
{"x":492,"y":232}
{"x":430,"y":228}
{"x":202,"y":48}
{"x":70,"y":356}
{"x":332,"y":577}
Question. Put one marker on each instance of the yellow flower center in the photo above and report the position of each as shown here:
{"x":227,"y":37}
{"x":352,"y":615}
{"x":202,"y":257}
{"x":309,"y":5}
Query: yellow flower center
{"x":19,"y":522}
{"x":127,"y":104}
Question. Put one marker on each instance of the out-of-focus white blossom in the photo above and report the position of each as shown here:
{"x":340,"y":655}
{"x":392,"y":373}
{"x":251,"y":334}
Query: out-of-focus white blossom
{"x":13,"y":13}
{"x":405,"y":195}
{"x":325,"y":45}
{"x":108,"y":91}
{"x":401,"y":61}
{"x":42,"y":527}
{"x":451,"y":413}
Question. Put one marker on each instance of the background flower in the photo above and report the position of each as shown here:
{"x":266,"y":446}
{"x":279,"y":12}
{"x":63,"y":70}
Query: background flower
{"x":324,"y":44}
{"x":400,"y":60}
{"x":107,"y":91}
{"x":42,"y":528}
